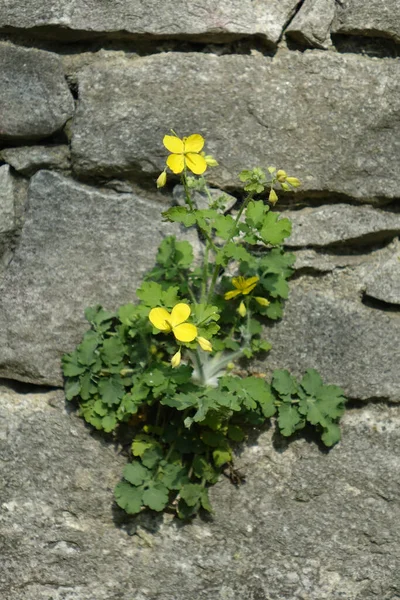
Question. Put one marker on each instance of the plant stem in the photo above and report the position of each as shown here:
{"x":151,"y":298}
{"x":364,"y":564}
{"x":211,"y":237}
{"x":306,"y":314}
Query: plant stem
{"x":231,"y":235}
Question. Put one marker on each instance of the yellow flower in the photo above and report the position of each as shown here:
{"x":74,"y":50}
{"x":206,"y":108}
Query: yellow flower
{"x":176,"y":360}
{"x":262,"y":301}
{"x":204,"y":344}
{"x":185,"y":153}
{"x":242,"y":285}
{"x":242,"y":309}
{"x":174,"y":321}
{"x":162,"y":179}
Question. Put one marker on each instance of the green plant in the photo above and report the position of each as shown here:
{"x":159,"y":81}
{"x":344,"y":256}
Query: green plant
{"x":165,"y":370}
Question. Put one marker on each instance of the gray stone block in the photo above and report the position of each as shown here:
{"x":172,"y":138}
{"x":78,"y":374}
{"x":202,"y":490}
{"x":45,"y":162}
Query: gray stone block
{"x":329,"y":119}
{"x":306,"y":525}
{"x":78,"y":247}
{"x":206,"y":20}
{"x":341,"y":224}
{"x":383,"y":283}
{"x":311,"y":25}
{"x":326,"y":326}
{"x":35,"y":101}
{"x":29,"y":159}
{"x":374,"y":18}
{"x":7,"y":193}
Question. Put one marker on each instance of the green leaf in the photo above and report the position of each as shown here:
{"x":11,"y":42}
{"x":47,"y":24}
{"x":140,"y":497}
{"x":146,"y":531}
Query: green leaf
{"x":276,"y":286}
{"x":100,"y":408}
{"x":191,"y":493}
{"x":156,"y":496}
{"x":202,"y":313}
{"x":135,"y":473}
{"x":170,"y":297}
{"x":331,"y":434}
{"x":109,"y":422}
{"x":255,"y":213}
{"x":111,"y":389}
{"x":113,"y":351}
{"x":331,"y":401}
{"x":180,"y":401}
{"x":277,"y":261}
{"x":283,"y":382}
{"x":174,"y":476}
{"x":213,"y":438}
{"x":275,"y":230}
{"x":128,"y":314}
{"x":235,"y":433}
{"x":128,"y":497}
{"x":152,"y":456}
{"x":173,"y":253}
{"x":141,"y":443}
{"x":311,"y":382}
{"x":236,"y":252}
{"x":86,"y":351}
{"x":153,"y":378}
{"x":72,"y":388}
{"x":222,"y":456}
{"x":223,"y":225}
{"x":70,"y":365}
{"x":288,"y":419}
{"x":205,"y":501}
{"x":204,"y":470}
{"x":274,"y":310}
{"x":150,"y":293}
{"x":180,"y":214}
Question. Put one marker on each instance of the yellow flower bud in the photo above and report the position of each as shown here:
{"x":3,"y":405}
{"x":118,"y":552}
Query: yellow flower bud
{"x":271,"y":170}
{"x":162,"y":179}
{"x":153,"y":349}
{"x":204,"y":344}
{"x":262,"y":301}
{"x":273,"y":198}
{"x":242,"y":309}
{"x":176,"y":359}
{"x":285,"y":187}
{"x":230,"y":366}
{"x":294,"y":182}
{"x":210,"y":160}
{"x":281,"y":175}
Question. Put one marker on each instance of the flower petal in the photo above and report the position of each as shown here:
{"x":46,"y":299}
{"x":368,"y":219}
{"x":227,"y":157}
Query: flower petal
{"x":173,"y":144}
{"x":185,"y":332}
{"x":193,"y":143}
{"x":239,"y":282}
{"x":180,"y":313}
{"x":176,"y":163}
{"x":250,"y":284}
{"x":159,"y":317}
{"x":196,"y":163}
{"x":231,"y":294}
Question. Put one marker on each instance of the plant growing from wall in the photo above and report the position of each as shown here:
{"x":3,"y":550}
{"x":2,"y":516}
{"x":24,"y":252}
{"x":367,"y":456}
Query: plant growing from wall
{"x":165,"y":370}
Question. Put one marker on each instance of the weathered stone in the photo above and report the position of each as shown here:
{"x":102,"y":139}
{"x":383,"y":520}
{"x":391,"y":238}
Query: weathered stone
{"x":373,"y":18}
{"x":79,"y":247}
{"x":311,"y":25}
{"x":208,"y":20}
{"x":304,"y":525}
{"x":201,"y":199}
{"x":333,"y":121}
{"x":341,"y":224}
{"x":326,"y":326}
{"x":35,"y":101}
{"x":383,"y":283}
{"x":7,"y":211}
{"x":29,"y":159}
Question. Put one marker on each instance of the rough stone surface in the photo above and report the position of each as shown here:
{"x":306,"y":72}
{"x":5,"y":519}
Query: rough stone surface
{"x":327,"y":327}
{"x":306,"y":525}
{"x":341,"y":224}
{"x":383,"y":283}
{"x":207,"y":20}
{"x":35,"y":101}
{"x":311,"y":25}
{"x":377,"y":18}
{"x":333,"y":121}
{"x":29,"y":159}
{"x":79,"y":247}
{"x":7,"y":211}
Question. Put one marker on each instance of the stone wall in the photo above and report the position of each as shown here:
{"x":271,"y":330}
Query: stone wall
{"x":87,"y":91}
